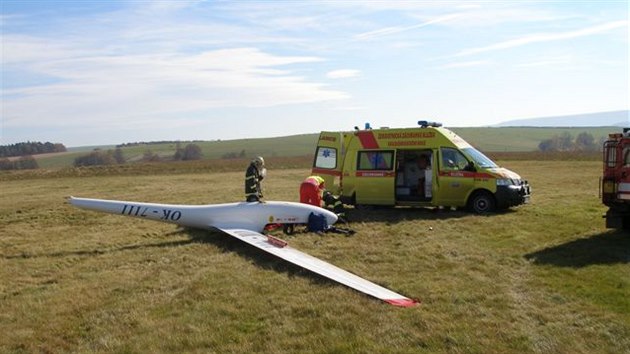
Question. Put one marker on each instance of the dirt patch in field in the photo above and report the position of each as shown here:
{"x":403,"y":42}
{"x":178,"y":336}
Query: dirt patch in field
{"x":41,"y":156}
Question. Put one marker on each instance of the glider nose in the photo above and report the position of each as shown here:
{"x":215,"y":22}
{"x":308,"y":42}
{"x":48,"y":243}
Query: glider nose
{"x":331,"y":217}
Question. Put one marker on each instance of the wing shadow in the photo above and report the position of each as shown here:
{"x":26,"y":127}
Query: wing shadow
{"x":97,"y":252}
{"x":610,"y":247}
{"x":224,"y":242}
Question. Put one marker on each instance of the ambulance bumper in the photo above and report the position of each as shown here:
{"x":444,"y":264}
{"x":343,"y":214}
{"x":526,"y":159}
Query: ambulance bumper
{"x":508,"y":196}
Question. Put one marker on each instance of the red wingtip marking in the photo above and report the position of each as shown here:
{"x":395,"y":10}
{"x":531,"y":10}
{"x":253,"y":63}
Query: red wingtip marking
{"x":276,"y":241}
{"x":402,"y":302}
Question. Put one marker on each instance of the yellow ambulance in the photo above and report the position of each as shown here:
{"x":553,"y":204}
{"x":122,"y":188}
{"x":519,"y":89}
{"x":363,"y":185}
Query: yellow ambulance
{"x":422,"y":166}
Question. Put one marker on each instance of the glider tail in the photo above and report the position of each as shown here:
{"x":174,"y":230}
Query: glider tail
{"x":158,"y":212}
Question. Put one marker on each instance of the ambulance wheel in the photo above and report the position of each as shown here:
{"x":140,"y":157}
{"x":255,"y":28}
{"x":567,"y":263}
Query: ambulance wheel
{"x":481,"y":202}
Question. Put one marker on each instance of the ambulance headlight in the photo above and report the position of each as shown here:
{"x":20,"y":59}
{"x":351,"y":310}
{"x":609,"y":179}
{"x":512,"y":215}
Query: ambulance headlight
{"x":504,"y":182}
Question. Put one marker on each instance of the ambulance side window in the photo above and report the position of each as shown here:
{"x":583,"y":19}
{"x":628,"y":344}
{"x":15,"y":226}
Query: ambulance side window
{"x":326,"y":157}
{"x":375,"y":160}
{"x":452,"y":159}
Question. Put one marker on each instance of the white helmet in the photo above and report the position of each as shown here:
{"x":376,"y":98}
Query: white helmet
{"x":259,"y":161}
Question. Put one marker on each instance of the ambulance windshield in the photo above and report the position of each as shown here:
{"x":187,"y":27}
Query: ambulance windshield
{"x":479,"y":159}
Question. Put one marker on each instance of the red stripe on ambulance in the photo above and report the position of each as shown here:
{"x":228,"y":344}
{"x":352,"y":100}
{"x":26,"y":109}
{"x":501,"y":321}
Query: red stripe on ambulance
{"x":367,"y":139}
{"x":465,"y":174}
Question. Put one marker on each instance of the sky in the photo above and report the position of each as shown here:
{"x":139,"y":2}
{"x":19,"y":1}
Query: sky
{"x":88,"y":72}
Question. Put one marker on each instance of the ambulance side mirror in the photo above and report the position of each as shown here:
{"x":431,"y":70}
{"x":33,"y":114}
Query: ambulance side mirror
{"x":470,"y":167}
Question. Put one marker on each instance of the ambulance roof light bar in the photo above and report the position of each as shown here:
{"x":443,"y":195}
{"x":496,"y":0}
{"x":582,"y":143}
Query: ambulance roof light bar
{"x":367,"y":127}
{"x":424,"y":124}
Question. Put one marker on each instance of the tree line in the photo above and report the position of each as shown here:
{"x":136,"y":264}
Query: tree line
{"x":99,"y":157}
{"x":116,"y":157}
{"x":565,"y":142}
{"x":30,"y":148}
{"x":139,"y":143}
{"x":25,"y":152}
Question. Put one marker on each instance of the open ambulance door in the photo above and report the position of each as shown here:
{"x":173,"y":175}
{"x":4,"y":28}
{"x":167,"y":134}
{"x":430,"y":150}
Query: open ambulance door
{"x":328,"y":161}
{"x":414,"y":176}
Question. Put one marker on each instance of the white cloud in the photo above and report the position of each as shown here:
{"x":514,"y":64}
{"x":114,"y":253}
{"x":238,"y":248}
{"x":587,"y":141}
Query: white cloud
{"x":561,"y":61}
{"x":466,"y":64}
{"x":545,"y":37}
{"x":118,"y":88}
{"x":343,"y":74}
{"x":398,"y":29}
{"x":351,"y":108}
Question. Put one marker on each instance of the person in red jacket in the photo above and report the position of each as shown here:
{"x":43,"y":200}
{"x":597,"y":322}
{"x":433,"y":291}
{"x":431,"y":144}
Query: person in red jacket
{"x":311,"y":190}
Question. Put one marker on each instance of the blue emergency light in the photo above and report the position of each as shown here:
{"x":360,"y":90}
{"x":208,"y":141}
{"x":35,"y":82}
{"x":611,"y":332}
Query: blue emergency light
{"x":424,"y":124}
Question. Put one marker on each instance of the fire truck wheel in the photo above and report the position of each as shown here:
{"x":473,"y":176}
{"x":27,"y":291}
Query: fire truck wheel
{"x":481,"y":202}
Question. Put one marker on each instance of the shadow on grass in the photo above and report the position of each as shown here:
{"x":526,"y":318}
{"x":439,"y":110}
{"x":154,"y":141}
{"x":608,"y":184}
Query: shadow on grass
{"x":610,"y":247}
{"x":96,"y":252}
{"x":396,"y":214}
{"x":223,"y":242}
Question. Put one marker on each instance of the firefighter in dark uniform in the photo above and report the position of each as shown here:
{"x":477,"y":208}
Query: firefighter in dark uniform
{"x":335,"y":205}
{"x":255,"y":173}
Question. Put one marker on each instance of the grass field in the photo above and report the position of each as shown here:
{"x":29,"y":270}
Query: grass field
{"x":542,"y":278}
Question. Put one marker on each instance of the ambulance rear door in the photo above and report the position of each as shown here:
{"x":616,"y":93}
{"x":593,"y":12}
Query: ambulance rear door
{"x":328,"y":162}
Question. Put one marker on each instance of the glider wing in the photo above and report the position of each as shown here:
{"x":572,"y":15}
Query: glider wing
{"x":280,"y":249}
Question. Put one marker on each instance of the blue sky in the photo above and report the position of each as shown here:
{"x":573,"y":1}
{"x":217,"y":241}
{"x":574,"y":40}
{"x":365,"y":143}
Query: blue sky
{"x":109,"y":72}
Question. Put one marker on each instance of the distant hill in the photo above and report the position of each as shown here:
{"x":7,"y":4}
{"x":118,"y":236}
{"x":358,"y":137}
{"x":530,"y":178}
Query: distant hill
{"x":600,"y":119}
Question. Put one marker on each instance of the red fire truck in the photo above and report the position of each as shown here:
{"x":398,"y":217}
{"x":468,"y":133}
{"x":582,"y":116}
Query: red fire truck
{"x":615,"y":184}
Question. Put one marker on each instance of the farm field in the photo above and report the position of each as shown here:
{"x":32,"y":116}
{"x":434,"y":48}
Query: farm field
{"x":542,"y":278}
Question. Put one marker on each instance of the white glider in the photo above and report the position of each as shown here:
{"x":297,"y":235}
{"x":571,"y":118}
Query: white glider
{"x":246,"y":221}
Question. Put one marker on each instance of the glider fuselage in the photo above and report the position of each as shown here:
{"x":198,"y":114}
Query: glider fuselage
{"x":252,"y":216}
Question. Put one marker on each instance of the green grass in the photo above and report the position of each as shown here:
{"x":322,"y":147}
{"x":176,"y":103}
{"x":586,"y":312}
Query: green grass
{"x":542,"y":278}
